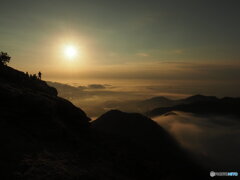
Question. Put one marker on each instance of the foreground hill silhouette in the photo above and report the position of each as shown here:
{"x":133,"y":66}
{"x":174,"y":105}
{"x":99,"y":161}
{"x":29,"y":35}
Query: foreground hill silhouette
{"x":138,"y":128}
{"x":33,"y":118}
{"x":46,"y":137}
{"x":161,"y":148}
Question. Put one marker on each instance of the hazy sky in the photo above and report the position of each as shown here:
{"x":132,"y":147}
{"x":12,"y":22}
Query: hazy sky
{"x":137,"y":39}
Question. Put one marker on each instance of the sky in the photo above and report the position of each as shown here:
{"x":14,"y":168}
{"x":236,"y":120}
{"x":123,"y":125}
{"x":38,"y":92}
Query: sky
{"x":183,"y":42}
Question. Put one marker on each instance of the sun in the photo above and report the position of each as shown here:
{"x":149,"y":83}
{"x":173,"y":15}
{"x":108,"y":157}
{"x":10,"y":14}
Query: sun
{"x":70,"y":51}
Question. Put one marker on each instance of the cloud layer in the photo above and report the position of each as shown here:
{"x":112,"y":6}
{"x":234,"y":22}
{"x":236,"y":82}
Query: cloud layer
{"x":213,"y":139}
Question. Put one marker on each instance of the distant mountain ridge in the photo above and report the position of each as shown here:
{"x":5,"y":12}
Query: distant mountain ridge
{"x":142,"y":106}
{"x":153,"y":106}
{"x":163,"y":101}
{"x":202,"y":105}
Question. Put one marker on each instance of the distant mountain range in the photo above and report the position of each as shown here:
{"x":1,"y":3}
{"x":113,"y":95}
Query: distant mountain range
{"x":198,"y":103}
{"x":202,"y":105}
{"x":161,"y":101}
{"x":151,"y":107}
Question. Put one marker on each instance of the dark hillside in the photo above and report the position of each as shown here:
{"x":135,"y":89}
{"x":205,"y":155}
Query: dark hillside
{"x":33,"y":118}
{"x":158,"y":146}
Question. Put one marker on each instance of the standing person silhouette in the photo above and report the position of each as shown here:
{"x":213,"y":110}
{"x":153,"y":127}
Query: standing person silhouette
{"x":39,"y":75}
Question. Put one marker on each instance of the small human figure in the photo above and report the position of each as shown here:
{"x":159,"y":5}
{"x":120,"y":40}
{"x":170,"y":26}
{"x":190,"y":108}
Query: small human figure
{"x":27,"y":74}
{"x":39,"y":75}
{"x":34,"y":77}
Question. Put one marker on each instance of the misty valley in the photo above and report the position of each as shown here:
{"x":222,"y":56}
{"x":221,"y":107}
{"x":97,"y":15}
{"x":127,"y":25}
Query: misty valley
{"x":210,"y":131}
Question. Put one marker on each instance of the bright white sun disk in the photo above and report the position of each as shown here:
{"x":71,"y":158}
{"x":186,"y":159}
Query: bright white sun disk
{"x":70,"y":52}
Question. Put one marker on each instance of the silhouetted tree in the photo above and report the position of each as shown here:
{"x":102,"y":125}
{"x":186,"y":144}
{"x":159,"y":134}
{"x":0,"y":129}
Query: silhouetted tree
{"x":4,"y":58}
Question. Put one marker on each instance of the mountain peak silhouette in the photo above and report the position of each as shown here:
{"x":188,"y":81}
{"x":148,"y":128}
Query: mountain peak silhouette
{"x":149,"y":137}
{"x":202,"y":105}
{"x":199,"y":97}
{"x":115,"y":121}
{"x":135,"y":126}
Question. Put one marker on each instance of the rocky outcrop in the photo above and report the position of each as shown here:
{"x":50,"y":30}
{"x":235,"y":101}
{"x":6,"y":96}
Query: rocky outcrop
{"x":34,"y":118}
{"x":19,"y":80}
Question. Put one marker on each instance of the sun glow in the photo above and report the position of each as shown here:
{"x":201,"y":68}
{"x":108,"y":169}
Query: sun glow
{"x":70,"y":51}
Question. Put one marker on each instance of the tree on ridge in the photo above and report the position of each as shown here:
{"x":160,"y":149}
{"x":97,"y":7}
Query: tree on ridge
{"x":4,"y":58}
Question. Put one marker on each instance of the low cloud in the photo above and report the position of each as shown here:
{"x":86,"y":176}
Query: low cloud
{"x":94,"y":87}
{"x":213,"y":139}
